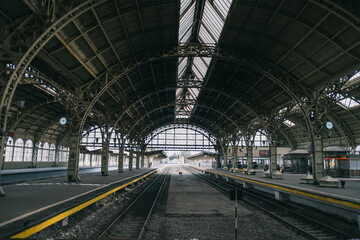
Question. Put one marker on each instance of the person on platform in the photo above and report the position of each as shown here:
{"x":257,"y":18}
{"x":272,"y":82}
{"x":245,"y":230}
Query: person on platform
{"x":266,"y":167}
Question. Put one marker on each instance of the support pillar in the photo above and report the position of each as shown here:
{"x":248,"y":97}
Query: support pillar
{"x":137,"y":160}
{"x":249,"y":151}
{"x":34,"y":154}
{"x":4,"y":78}
{"x":57,"y":155}
{"x":235,"y":162}
{"x":273,"y":158}
{"x":147,"y":162}
{"x":225,"y":162}
{"x":121,"y":159}
{"x":131,"y":153}
{"x":274,"y":172}
{"x":105,"y":158}
{"x":73,"y":165}
{"x":2,"y":157}
{"x":142,"y":158}
{"x":318,"y":160}
{"x":218,"y":160}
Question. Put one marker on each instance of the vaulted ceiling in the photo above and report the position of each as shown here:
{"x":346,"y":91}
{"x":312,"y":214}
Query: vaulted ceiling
{"x":122,"y":59}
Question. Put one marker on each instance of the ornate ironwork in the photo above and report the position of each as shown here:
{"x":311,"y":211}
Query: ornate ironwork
{"x":197,"y":49}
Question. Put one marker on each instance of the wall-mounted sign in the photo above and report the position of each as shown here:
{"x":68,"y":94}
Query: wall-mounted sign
{"x":264,"y":153}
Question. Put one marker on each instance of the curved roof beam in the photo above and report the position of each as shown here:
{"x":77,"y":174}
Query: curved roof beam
{"x":289,"y":138}
{"x":344,"y":130}
{"x":181,"y":125}
{"x":172,"y":89}
{"x":33,"y":50}
{"x":174,"y":54}
{"x":158,"y":120}
{"x":244,"y":62}
{"x":156,"y":109}
{"x":76,"y":12}
{"x":175,"y":127}
{"x":28,"y":111}
{"x":47,"y":128}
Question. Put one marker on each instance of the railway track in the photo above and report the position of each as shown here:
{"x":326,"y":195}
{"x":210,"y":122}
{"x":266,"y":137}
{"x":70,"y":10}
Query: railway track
{"x":132,"y":221}
{"x":300,"y":223}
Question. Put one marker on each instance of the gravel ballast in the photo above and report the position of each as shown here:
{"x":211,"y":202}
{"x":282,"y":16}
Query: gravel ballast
{"x":252,"y":223}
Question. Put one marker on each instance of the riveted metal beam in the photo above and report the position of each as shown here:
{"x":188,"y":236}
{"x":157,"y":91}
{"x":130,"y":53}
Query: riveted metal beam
{"x":193,"y":127}
{"x":15,"y":121}
{"x":134,"y":125}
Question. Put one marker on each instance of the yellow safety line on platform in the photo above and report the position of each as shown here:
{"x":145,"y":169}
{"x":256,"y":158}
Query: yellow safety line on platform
{"x":61,"y":216}
{"x":311,"y":195}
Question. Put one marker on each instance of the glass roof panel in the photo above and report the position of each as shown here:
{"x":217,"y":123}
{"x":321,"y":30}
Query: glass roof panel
{"x":200,"y":66}
{"x":182,"y":65}
{"x":184,"y":5}
{"x":353,"y":80}
{"x":182,"y":116}
{"x":187,"y":35}
{"x":194,"y":93}
{"x":204,"y":35}
{"x":355,"y":76}
{"x":186,"y":22}
{"x":212,"y":21}
{"x":348,"y":102}
{"x":196,"y":72}
{"x":289,"y":123}
{"x":207,"y":60}
{"x":223,"y":6}
{"x":178,"y":92}
{"x":211,"y":24}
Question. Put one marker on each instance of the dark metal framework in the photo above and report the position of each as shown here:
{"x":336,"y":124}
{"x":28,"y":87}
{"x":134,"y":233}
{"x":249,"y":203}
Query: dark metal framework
{"x":191,"y":135}
{"x":116,"y":62}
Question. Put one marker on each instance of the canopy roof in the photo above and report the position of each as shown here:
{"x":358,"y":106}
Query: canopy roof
{"x":220,"y":65}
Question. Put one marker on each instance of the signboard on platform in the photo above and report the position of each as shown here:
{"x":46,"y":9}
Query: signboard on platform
{"x":264,"y":153}
{"x":310,"y":149}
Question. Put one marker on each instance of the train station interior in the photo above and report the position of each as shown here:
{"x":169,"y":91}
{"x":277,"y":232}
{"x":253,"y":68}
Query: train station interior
{"x":262,"y":93}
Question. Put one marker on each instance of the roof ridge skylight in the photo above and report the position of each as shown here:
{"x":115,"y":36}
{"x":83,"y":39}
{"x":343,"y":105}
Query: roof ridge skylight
{"x":211,"y":24}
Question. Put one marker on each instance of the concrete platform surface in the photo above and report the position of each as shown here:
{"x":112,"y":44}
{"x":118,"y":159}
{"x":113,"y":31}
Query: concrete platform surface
{"x":24,"y":200}
{"x":28,"y":174}
{"x":351,"y":190}
{"x":190,"y":196}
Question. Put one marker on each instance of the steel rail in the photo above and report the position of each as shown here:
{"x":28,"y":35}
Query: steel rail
{"x":141,"y":234}
{"x":296,"y":216}
{"x":125,"y":211}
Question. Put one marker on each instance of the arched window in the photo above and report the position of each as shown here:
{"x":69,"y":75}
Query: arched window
{"x":357,"y":149}
{"x":18,"y":150}
{"x":64,"y":154}
{"x":9,"y":150}
{"x":39,"y":154}
{"x":261,"y":139}
{"x":52,"y":153}
{"x":45,"y":154}
{"x":93,"y":140}
{"x":28,"y":151}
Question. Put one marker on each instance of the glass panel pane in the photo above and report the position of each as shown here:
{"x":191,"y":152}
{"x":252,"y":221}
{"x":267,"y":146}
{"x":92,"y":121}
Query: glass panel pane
{"x":211,"y":25}
{"x":186,"y":22}
{"x":223,"y":6}
{"x":28,"y":155}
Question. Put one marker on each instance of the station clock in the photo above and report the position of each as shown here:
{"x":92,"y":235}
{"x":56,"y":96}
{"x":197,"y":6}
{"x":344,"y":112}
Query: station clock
{"x":329,"y":125}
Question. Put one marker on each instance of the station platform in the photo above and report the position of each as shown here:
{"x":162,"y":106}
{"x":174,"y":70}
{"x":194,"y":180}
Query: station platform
{"x":29,"y":204}
{"x":351,"y":190}
{"x":9,"y":176}
{"x":340,"y":202}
